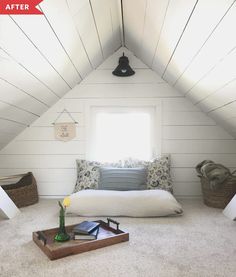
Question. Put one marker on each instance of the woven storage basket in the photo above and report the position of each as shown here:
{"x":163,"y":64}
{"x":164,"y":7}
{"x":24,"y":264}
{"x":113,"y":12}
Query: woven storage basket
{"x":218,"y":198}
{"x":24,"y":192}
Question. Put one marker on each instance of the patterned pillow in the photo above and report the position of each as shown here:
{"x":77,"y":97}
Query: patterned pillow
{"x":131,"y":163}
{"x":158,"y":172}
{"x":88,"y":173}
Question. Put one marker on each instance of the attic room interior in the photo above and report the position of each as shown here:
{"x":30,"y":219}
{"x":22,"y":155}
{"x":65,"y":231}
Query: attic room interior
{"x":117,"y":142}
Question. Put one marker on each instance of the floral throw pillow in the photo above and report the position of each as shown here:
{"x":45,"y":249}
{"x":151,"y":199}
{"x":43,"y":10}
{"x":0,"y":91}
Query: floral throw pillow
{"x":158,"y":172}
{"x":88,"y":174}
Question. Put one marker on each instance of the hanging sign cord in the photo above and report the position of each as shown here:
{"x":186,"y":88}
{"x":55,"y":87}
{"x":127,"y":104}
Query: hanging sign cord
{"x":69,"y":114}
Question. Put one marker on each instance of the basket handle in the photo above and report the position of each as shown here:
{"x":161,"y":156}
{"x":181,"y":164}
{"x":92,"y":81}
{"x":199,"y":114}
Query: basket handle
{"x":233,"y":172}
{"x":13,"y":176}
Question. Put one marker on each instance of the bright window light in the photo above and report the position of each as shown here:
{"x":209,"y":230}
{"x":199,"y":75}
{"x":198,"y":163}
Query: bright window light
{"x":122,"y":135}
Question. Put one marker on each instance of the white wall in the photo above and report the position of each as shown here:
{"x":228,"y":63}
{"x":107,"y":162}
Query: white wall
{"x":187,"y":133}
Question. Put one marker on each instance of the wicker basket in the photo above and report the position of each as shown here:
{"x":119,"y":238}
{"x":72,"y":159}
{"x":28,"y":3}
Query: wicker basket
{"x":24,"y":192}
{"x":218,"y":198}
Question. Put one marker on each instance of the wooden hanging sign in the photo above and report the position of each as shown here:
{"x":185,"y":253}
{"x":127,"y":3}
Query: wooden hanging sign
{"x":65,"y":131}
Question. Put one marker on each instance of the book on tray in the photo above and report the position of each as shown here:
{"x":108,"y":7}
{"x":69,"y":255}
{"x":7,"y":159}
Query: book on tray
{"x":86,"y":227}
{"x":87,"y":230}
{"x":91,"y":236}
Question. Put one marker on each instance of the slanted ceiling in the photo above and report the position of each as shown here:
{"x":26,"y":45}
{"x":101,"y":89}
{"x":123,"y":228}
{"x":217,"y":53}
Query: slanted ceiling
{"x":44,"y":56}
{"x":189,"y":43}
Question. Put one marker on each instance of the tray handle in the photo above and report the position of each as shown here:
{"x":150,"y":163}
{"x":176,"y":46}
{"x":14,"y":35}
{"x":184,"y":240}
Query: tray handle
{"x":42,"y":237}
{"x":110,"y":220}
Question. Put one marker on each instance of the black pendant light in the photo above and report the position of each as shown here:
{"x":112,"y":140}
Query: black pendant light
{"x":123,"y":69}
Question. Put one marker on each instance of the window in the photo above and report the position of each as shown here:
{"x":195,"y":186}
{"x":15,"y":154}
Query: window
{"x":122,"y":132}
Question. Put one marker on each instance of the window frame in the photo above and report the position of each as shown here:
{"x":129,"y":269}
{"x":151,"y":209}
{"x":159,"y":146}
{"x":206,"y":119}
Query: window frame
{"x":114,"y":105}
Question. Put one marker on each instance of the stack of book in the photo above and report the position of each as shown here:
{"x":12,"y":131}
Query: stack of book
{"x":86,"y":230}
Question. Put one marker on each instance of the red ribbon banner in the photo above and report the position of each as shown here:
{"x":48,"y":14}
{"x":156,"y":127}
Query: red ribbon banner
{"x":19,"y":7}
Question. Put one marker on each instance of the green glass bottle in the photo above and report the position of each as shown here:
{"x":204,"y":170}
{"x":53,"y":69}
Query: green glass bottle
{"x":62,"y":236}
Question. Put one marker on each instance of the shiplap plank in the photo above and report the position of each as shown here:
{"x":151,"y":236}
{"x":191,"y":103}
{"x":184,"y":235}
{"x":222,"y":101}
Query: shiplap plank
{"x":199,"y":146}
{"x":71,"y":105}
{"x":50,"y":117}
{"x":187,"y":118}
{"x":225,"y":112}
{"x":10,"y":126}
{"x":155,"y":15}
{"x":228,"y":123}
{"x":59,"y":16}
{"x":46,"y":175}
{"x":112,"y":62}
{"x":196,"y":34}
{"x":52,"y":51}
{"x":85,"y":25}
{"x":191,"y":160}
{"x":44,"y":147}
{"x":17,"y":97}
{"x":106,"y":77}
{"x":178,"y":105}
{"x":216,"y":79}
{"x":76,"y":5}
{"x":220,"y":98}
{"x":2,"y":145}
{"x":47,"y":133}
{"x":15,"y":74}
{"x":194,"y":132}
{"x":56,"y":188}
{"x":120,"y":102}
{"x":217,"y":47}
{"x":134,"y":23}
{"x":124,"y":91}
{"x":102,"y":15}
{"x":68,"y":161}
{"x":6,"y":137}
{"x":184,"y":175}
{"x":13,"y":113}
{"x":115,"y":14}
{"x":39,"y":161}
{"x":14,"y":40}
{"x":176,"y":18}
{"x":187,"y":189}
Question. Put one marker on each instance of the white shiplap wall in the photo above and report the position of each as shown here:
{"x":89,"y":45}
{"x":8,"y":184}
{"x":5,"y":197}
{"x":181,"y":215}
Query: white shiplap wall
{"x":187,"y":133}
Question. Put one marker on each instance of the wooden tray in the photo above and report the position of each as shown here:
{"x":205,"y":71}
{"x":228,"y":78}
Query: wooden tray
{"x":56,"y":250}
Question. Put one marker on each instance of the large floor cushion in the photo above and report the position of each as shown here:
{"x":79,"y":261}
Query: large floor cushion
{"x":144,"y":203}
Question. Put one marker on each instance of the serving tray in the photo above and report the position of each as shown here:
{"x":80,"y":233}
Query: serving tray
{"x":55,"y":250}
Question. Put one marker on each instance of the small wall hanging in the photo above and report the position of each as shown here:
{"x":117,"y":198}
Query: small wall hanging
{"x":65,"y":131}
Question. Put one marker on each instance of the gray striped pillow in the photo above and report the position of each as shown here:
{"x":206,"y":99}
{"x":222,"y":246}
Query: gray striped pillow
{"x":122,"y":178}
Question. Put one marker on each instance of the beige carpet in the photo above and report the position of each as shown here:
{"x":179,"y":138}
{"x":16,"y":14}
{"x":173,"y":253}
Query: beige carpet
{"x":200,"y":243}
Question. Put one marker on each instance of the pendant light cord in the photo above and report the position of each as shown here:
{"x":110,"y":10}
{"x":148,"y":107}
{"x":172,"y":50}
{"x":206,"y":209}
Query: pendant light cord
{"x":123,"y":27}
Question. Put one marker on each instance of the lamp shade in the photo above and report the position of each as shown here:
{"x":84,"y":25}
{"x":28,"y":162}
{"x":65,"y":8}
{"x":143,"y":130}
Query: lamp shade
{"x":123,"y":69}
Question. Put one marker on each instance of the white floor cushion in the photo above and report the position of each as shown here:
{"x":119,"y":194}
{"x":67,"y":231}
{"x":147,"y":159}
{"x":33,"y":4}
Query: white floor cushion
{"x":144,"y":203}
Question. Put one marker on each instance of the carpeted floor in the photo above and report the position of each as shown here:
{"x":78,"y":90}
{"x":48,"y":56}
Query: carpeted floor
{"x":200,"y":243}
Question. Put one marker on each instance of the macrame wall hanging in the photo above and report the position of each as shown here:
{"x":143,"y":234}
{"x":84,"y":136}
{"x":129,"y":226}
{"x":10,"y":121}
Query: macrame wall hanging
{"x":65,"y":131}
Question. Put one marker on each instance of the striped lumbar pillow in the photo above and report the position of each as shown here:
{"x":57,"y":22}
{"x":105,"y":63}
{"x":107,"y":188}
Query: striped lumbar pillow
{"x":122,"y":178}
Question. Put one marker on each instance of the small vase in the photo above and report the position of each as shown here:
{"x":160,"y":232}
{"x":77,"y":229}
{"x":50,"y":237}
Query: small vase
{"x":62,"y":236}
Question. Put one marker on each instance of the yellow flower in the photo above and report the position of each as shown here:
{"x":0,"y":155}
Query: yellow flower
{"x":66,"y":202}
